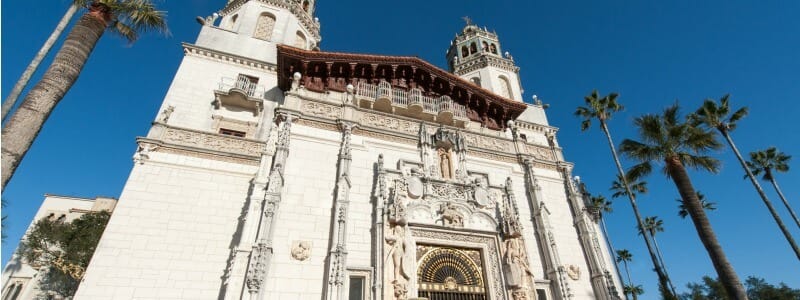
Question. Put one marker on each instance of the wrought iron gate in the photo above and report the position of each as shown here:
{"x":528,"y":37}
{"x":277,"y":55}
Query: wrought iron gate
{"x":446,"y":273}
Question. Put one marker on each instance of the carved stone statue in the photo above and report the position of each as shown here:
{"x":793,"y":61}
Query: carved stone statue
{"x":520,"y":294}
{"x":166,"y":113}
{"x":451,"y":217}
{"x":402,"y":258}
{"x":515,"y":263}
{"x":301,"y":250}
{"x":445,"y":163}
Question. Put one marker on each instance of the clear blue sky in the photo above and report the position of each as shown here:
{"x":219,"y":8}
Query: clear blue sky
{"x":651,"y":52}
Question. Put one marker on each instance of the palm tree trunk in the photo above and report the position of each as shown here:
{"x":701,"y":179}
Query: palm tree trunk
{"x":724,"y":268}
{"x":761,"y":193}
{"x":26,"y":76}
{"x":663,"y":265}
{"x":662,"y":276}
{"x":786,"y":203}
{"x":630,"y":281}
{"x":27,"y":121}
{"x":611,"y":249}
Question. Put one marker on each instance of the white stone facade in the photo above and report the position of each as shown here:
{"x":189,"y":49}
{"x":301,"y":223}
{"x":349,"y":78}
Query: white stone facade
{"x":21,"y":279}
{"x":246,"y":190}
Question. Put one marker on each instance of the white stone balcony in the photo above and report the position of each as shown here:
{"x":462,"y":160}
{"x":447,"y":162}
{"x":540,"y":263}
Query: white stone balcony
{"x":237,"y":95}
{"x":412,"y":103}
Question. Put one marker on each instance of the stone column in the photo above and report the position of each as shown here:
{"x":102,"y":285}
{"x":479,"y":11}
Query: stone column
{"x":234,"y":276}
{"x":380,"y":196}
{"x":337,"y":256}
{"x":261,"y":254}
{"x":588,"y":237}
{"x":554,"y":270}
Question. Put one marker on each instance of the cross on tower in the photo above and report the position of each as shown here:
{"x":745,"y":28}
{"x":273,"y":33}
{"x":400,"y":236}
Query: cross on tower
{"x":467,"y":20}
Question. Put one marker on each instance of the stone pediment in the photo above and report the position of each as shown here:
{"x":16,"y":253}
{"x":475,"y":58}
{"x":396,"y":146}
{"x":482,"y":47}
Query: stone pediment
{"x":322,"y":71}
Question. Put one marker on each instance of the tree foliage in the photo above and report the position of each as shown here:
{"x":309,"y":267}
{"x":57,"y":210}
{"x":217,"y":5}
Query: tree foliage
{"x":63,"y":249}
{"x":757,"y":289}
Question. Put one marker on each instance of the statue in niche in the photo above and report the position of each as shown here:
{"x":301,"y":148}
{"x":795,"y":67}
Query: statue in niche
{"x":515,"y":262}
{"x":451,"y":217}
{"x":481,"y":194}
{"x":445,"y":163}
{"x":167,"y":113}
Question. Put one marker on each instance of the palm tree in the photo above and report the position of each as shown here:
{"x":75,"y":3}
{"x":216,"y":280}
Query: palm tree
{"x":719,"y":117}
{"x":602,"y":109}
{"x":126,"y":17}
{"x":601,"y":206}
{"x":679,"y":145}
{"x":624,"y":256}
{"x":653,"y":225}
{"x":707,"y":205}
{"x":767,"y":160}
{"x":634,"y":290}
{"x":48,"y":44}
{"x":637,"y":187}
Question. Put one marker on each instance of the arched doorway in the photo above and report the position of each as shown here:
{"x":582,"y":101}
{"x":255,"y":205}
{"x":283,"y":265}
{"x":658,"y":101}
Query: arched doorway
{"x":447,"y":273}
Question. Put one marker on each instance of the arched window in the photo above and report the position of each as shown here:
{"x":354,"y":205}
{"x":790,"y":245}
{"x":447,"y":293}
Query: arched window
{"x":473,"y":48}
{"x":493,"y":48}
{"x":464,"y":51}
{"x":476,"y":81}
{"x":300,"y":40}
{"x":505,"y":87}
{"x":264,"y":27}
{"x":485,"y":47}
{"x":232,"y":23}
{"x":305,"y":6}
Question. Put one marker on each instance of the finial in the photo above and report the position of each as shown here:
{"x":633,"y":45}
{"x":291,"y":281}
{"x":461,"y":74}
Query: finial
{"x":467,"y":20}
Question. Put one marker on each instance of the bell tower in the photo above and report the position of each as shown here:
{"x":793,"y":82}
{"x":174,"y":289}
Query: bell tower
{"x":475,"y":55}
{"x":252,"y":28}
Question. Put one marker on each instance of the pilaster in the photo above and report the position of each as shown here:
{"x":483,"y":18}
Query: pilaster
{"x":337,"y":257}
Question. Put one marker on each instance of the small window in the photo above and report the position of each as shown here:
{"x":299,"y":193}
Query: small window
{"x":540,"y":294}
{"x":493,"y":48}
{"x":464,"y":51}
{"x":357,"y":288}
{"x":233,"y":22}
{"x":235,"y":133}
{"x":305,"y":6}
{"x":473,"y":48}
{"x":485,"y":47}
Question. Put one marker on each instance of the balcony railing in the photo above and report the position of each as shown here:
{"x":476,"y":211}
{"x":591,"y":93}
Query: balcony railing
{"x":246,"y":87}
{"x":411,"y":99}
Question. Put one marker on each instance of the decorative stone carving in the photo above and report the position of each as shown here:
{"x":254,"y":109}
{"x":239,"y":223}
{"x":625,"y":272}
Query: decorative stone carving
{"x":520,"y":294}
{"x":480,"y":194}
{"x":450,"y":216}
{"x":449,"y":191}
{"x":393,"y":124}
{"x":321,"y":110}
{"x":301,"y":250}
{"x":401,"y":254}
{"x":143,"y":153}
{"x":540,"y":153}
{"x":574,"y":272}
{"x":400,"y":290}
{"x":516,"y":263}
{"x":414,"y":185}
{"x":210,"y":141}
{"x":445,"y":163}
{"x":489,"y":143}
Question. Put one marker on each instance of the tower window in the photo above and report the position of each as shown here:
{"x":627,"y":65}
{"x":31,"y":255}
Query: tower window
{"x":505,"y":87}
{"x":300,"y":40}
{"x":233,"y":21}
{"x":305,"y":6}
{"x":473,"y":48}
{"x":493,"y":49}
{"x":464,"y":51}
{"x":476,"y":81}
{"x":485,"y":47}
{"x":264,"y":27}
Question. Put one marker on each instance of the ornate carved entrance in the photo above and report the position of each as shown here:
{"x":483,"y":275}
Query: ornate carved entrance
{"x":448,"y":273}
